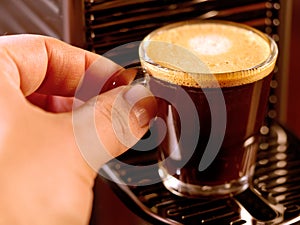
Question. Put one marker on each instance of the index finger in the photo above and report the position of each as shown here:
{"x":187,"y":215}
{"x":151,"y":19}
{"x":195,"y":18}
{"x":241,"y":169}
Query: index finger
{"x":47,"y":65}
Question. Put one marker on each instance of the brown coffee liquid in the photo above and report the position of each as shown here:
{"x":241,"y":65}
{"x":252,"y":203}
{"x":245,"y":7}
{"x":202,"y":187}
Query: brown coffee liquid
{"x":206,"y":57}
{"x":234,"y":159}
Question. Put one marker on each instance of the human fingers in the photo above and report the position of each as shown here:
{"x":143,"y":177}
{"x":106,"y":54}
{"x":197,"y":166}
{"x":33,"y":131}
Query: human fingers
{"x":88,"y":89}
{"x":51,"y":103}
{"x":49,"y":66}
{"x":113,"y":122}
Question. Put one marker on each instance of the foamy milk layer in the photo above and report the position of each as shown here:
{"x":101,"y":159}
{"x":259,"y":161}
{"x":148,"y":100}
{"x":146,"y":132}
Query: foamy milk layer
{"x":208,"y":54}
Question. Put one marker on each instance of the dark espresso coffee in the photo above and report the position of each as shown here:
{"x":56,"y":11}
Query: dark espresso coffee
{"x":204,"y":74}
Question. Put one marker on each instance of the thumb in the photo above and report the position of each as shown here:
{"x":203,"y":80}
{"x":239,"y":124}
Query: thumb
{"x":109,"y":124}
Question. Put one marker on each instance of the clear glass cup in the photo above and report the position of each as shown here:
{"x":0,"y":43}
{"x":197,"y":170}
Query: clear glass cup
{"x":211,"y":79}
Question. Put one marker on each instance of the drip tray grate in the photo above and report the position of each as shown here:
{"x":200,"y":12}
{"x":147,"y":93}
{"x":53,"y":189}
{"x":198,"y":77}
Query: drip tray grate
{"x":273,"y":198}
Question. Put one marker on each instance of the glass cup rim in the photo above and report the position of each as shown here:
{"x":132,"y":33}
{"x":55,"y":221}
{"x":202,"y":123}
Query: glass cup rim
{"x":239,"y":76}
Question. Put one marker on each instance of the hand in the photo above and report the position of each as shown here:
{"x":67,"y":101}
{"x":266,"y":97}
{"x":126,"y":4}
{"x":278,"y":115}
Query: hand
{"x":44,"y":175}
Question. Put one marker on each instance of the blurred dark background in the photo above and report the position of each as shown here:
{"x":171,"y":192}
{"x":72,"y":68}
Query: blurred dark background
{"x":291,"y":118}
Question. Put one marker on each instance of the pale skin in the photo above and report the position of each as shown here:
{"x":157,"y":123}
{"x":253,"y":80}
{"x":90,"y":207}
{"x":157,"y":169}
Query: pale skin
{"x":44,"y":178}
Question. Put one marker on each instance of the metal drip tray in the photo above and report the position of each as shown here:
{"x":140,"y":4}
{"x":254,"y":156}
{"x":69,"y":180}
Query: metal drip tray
{"x":273,"y":198}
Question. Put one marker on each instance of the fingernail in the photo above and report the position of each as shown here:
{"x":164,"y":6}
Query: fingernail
{"x":143,"y":103}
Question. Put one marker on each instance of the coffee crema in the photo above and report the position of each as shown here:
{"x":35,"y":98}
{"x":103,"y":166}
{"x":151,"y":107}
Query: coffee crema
{"x":208,"y":54}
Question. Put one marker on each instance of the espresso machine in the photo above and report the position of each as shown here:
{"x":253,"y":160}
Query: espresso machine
{"x":126,"y":190}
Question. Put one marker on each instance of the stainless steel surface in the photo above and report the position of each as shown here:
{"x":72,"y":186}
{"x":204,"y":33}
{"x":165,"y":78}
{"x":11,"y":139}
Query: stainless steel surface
{"x":273,"y":197}
{"x":113,"y":23}
{"x":25,"y":16}
{"x":62,"y":19}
